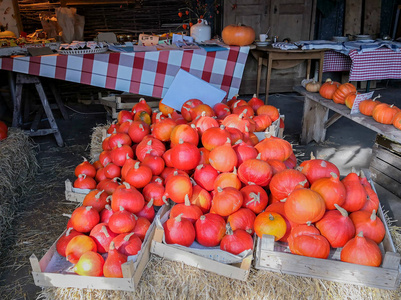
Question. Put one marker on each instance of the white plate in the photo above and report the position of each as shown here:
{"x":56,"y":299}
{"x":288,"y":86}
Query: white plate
{"x":262,"y":44}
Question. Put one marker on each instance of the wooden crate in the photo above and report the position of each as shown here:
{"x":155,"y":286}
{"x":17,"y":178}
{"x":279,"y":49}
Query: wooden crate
{"x":113,"y":104}
{"x":132,"y":271}
{"x":275,"y":129}
{"x":276,"y":257}
{"x":385,"y":165}
{"x":74,"y":194}
{"x":239,"y":271}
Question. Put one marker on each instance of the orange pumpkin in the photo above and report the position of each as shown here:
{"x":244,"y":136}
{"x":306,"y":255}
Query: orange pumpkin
{"x":342,"y":92}
{"x":385,"y":113}
{"x":397,"y":121}
{"x":328,"y":88}
{"x":350,"y":99}
{"x":238,"y":35}
{"x":271,"y":223}
{"x":366,"y":106}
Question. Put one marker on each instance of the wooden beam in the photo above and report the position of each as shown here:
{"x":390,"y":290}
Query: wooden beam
{"x":353,"y":17}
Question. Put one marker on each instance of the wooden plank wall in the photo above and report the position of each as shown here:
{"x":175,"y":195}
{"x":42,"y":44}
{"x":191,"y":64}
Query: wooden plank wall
{"x":362,"y":17}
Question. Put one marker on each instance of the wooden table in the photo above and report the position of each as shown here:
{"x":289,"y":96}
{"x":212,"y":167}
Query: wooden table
{"x":275,"y":58}
{"x":315,"y":119}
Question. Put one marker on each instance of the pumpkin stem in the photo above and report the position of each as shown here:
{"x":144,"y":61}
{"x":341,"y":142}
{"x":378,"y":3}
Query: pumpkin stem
{"x":271,"y":218}
{"x":251,"y":183}
{"x":283,"y":200}
{"x":377,"y":97}
{"x":303,"y":182}
{"x":229,"y":230}
{"x":164,"y":199}
{"x":309,"y":223}
{"x":158,"y":180}
{"x":128,"y":236}
{"x":238,"y":142}
{"x":136,"y":166}
{"x":373,"y":216}
{"x":255,"y":198}
{"x":219,"y":189}
{"x":228,"y":141}
{"x":81,"y":176}
{"x":119,"y":144}
{"x":121,"y":208}
{"x":104,"y":230}
{"x":127,"y":156}
{"x":254,"y":96}
{"x":178,"y":218}
{"x":127,"y":185}
{"x":108,"y":199}
{"x":329,"y":80}
{"x":112,"y":246}
{"x":193,"y":181}
{"x":149,"y":143}
{"x":88,"y":208}
{"x":187,"y":202}
{"x":108,"y":207}
{"x":66,"y":215}
{"x":175,"y":173}
{"x":150,"y":203}
{"x":323,"y":164}
{"x":235,"y":170}
{"x":98,"y":194}
{"x":341,"y":210}
{"x":362,"y":175}
{"x":199,"y":166}
{"x":68,"y":231}
{"x":259,"y":156}
{"x":333,"y":175}
{"x":180,"y":141}
{"x":360,"y":234}
{"x":202,"y":217}
{"x":312,"y":156}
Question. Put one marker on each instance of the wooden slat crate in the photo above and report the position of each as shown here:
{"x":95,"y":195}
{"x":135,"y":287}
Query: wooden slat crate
{"x":74,"y":194}
{"x":385,"y":165}
{"x":275,"y":129}
{"x":65,"y":277}
{"x":239,"y":271}
{"x":113,"y":104}
{"x":276,"y":257}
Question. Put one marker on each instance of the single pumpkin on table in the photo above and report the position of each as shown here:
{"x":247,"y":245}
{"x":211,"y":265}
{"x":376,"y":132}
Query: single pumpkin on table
{"x":238,"y":35}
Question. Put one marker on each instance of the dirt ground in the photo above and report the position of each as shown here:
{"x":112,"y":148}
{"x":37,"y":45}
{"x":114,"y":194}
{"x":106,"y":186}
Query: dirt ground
{"x":39,"y":220}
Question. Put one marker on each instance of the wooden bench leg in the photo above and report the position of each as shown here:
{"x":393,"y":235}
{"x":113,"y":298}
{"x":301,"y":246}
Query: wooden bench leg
{"x":313,"y":120}
{"x":49,"y":114}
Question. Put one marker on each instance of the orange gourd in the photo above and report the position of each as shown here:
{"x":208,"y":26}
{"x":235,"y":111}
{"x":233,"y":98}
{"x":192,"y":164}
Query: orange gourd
{"x":328,"y":88}
{"x":342,"y":91}
{"x":385,"y":113}
{"x":238,"y":35}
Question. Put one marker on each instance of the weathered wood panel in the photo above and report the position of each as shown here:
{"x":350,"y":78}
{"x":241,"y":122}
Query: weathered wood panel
{"x":372,"y":17}
{"x":353,"y":17}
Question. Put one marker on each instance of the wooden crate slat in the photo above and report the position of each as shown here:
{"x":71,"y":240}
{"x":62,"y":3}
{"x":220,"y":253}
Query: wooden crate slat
{"x":389,"y":157}
{"x":385,"y":181}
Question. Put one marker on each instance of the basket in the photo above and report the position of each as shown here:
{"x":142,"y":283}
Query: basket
{"x":83,"y":51}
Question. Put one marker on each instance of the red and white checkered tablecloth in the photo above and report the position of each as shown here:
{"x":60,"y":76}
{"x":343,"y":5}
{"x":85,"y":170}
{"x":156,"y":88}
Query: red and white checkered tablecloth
{"x":336,"y":62}
{"x":382,"y":63}
{"x":145,"y":73}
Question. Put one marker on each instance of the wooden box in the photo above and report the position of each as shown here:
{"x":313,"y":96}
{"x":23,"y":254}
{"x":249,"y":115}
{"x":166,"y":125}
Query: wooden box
{"x":276,"y":257}
{"x":385,"y":165}
{"x":275,"y":129}
{"x":74,"y":194}
{"x":113,"y":104}
{"x":132,"y":271}
{"x":239,"y":271}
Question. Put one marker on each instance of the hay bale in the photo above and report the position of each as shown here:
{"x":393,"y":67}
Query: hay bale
{"x":18,"y":165}
{"x":96,"y":141}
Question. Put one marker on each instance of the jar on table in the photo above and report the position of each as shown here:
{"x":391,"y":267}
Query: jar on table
{"x":201,"y":32}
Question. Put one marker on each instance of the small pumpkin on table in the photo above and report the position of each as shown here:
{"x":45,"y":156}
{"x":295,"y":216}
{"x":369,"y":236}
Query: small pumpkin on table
{"x":313,"y":86}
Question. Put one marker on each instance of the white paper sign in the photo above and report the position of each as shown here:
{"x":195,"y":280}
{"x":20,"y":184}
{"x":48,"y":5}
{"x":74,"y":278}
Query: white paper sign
{"x":186,"y":86}
{"x":358,"y":99}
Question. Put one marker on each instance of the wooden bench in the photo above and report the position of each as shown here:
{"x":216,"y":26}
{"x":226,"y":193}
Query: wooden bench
{"x":385,"y":165}
{"x":315,"y":120}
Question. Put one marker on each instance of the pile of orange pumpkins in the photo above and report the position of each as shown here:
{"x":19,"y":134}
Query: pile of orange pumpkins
{"x":345,"y":94}
{"x":226,"y":185}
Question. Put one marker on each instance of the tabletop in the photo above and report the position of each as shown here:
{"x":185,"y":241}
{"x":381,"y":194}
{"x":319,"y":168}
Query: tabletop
{"x":145,"y":73}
